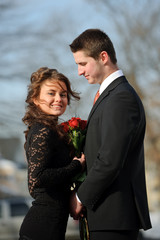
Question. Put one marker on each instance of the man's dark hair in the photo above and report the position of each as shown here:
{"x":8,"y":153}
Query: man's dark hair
{"x":93,"y":42}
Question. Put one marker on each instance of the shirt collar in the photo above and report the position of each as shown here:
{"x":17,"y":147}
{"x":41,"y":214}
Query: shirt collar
{"x":109,"y":80}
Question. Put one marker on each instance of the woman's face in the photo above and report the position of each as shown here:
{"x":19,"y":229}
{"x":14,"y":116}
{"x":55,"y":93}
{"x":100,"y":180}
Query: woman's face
{"x":53,"y":97}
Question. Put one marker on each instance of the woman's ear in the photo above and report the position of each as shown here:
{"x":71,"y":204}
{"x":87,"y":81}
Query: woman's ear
{"x":35,"y":101}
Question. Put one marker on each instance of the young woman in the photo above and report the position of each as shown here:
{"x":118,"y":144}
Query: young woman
{"x":51,"y":165}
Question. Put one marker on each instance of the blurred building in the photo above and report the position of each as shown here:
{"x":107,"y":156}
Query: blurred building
{"x":13,"y":179}
{"x":12,"y":148}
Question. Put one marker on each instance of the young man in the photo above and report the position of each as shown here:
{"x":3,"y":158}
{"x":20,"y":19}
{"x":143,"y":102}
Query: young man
{"x":114,"y":191}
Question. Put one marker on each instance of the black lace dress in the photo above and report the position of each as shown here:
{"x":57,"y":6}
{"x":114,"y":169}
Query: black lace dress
{"x":50,"y":170}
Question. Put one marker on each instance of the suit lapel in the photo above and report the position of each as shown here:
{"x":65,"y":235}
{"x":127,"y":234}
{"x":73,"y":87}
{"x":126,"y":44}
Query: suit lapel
{"x":106,"y":92}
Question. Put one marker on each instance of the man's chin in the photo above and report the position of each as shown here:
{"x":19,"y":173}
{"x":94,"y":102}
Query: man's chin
{"x":90,"y":81}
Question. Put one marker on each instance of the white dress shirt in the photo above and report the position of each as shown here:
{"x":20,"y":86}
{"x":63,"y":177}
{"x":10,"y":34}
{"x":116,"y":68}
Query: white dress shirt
{"x":109,"y":80}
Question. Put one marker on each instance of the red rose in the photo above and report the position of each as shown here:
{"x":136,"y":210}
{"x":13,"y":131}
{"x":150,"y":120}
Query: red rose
{"x":65,"y":126}
{"x":74,"y":122}
{"x":83,"y":124}
{"x":78,"y":119}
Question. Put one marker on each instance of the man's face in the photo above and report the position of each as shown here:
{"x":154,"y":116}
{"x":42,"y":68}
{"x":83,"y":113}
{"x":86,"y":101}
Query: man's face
{"x":90,"y":68}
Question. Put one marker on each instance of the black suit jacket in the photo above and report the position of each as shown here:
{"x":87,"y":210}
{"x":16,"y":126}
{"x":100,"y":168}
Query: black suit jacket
{"x":114,"y":191}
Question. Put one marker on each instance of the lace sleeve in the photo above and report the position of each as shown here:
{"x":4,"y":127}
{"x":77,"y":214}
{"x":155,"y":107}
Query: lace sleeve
{"x":39,"y":173}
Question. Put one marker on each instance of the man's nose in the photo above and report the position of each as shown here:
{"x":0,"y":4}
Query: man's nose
{"x":80,"y":71}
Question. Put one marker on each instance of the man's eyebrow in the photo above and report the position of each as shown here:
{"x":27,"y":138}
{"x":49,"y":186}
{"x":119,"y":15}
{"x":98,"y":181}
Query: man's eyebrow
{"x":82,"y":62}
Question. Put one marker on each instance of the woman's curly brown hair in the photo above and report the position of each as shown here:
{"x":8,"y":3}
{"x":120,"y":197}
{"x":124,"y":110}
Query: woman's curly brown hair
{"x":33,"y":113}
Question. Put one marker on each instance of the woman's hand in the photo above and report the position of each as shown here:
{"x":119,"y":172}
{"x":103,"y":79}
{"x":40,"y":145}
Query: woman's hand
{"x":82,"y":160}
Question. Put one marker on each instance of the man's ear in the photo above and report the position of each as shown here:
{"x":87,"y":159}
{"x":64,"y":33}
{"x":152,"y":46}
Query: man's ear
{"x":104,"y":56}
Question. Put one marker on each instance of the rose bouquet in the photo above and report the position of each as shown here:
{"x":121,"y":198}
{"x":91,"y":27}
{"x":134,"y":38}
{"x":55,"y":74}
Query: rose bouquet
{"x":76,"y":130}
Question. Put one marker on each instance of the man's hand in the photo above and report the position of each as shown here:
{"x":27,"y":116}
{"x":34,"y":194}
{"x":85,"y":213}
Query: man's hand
{"x":75,"y":207}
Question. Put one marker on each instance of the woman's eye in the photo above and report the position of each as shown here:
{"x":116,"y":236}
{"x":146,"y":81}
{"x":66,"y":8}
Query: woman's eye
{"x":63,"y":95}
{"x":51,"y":93}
